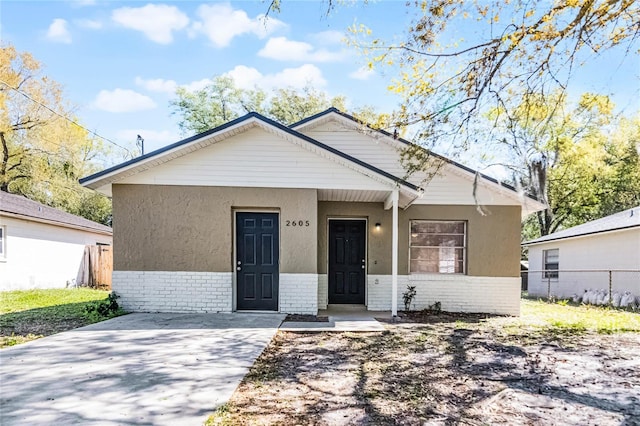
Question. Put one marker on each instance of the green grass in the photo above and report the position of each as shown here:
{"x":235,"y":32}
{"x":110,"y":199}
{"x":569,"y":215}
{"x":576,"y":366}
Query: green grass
{"x":563,"y":317}
{"x":29,"y":314}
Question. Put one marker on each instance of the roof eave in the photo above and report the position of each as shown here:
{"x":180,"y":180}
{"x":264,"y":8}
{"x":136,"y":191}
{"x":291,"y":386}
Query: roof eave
{"x":586,"y":234}
{"x":56,"y":223}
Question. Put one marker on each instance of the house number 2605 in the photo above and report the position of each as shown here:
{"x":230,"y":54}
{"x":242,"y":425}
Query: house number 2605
{"x":296,"y":223}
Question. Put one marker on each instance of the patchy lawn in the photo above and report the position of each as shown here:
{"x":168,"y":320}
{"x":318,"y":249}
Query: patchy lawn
{"x":30,"y":314}
{"x":553,"y":365}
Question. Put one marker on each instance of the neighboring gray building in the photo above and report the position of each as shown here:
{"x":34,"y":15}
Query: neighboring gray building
{"x":580,"y":258}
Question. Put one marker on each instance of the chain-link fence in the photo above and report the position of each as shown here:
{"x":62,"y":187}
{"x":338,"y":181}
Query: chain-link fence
{"x":617,"y":287}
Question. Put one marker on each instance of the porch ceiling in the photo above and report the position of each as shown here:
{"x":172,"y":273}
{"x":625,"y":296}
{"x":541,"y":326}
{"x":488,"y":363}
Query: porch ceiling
{"x":370,"y":196}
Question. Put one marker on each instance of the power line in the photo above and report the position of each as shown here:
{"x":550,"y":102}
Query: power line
{"x":65,"y":117}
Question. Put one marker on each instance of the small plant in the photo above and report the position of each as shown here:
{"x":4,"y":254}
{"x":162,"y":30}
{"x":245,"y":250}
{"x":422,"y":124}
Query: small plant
{"x":436,"y":307}
{"x":104,"y":308}
{"x":408,"y":296}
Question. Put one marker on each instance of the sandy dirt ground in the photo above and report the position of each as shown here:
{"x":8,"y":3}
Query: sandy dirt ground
{"x":442,"y":370}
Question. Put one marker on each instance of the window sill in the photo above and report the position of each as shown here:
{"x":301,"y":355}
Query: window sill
{"x":439,"y":274}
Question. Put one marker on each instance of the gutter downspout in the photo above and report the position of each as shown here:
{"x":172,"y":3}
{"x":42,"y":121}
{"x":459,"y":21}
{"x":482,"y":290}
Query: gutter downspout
{"x":394,"y":254}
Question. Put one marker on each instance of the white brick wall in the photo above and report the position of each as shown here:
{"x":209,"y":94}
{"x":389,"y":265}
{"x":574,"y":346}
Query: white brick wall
{"x":323,"y":291}
{"x":379,"y":292}
{"x":456,"y":293}
{"x":299,"y":293}
{"x":169,"y":291}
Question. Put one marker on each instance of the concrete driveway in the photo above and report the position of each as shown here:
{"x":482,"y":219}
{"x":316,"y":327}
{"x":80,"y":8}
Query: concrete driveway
{"x":160,"y":369}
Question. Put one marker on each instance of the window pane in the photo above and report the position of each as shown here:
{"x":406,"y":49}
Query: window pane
{"x":437,"y":227}
{"x":435,"y":240}
{"x":551,"y":263}
{"x":437,"y":247}
{"x":445,"y":260}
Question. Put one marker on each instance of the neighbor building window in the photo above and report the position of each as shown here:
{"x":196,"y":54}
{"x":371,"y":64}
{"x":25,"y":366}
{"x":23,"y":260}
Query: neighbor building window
{"x":3,"y":238}
{"x":437,"y":247}
{"x":551,"y":262}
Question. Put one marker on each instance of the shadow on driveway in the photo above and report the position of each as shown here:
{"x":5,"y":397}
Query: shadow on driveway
{"x":132,"y":370}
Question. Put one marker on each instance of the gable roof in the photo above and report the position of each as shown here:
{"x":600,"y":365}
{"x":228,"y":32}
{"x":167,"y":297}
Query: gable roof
{"x":461,"y":167}
{"x":192,"y":143}
{"x":23,"y":208}
{"x":624,"y":220}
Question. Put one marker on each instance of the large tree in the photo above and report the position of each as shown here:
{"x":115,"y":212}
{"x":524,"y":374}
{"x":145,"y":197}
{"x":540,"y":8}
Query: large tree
{"x":43,"y":151}
{"x":461,"y":59}
{"x":222,"y":101}
{"x":579,"y":158}
{"x":448,"y":79}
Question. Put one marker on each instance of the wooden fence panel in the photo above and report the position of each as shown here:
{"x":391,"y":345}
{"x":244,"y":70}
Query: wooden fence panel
{"x":96,"y":268}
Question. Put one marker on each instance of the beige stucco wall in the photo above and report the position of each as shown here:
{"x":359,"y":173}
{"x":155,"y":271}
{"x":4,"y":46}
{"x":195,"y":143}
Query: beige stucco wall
{"x":190,"y":228}
{"x":493,"y":247}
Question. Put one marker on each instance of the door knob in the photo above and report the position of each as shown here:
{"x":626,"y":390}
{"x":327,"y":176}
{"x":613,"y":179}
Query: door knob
{"x":239,"y":268}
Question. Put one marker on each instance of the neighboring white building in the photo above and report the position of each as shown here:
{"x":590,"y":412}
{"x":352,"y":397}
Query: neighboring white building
{"x":42,"y":247}
{"x":584,"y":255}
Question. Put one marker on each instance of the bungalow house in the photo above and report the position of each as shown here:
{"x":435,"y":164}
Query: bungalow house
{"x":588,"y":256}
{"x":255,"y":215}
{"x":43,"y":247}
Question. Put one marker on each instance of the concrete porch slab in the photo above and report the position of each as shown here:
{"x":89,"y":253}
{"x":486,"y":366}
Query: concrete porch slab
{"x":353,"y":318}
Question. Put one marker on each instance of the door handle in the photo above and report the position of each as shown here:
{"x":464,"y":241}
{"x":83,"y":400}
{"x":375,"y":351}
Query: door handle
{"x":239,"y":268}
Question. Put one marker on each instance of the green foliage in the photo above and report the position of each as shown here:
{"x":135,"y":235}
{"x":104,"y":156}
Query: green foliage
{"x":447,"y":82}
{"x":43,"y":154}
{"x":222,"y":101}
{"x":408,"y":296}
{"x":577,"y":319}
{"x":289,"y":105}
{"x":103,"y":309}
{"x":30,"y":314}
{"x":579,"y":158}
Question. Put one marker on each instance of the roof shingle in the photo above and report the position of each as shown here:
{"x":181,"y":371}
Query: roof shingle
{"x":29,"y":209}
{"x":626,"y":219}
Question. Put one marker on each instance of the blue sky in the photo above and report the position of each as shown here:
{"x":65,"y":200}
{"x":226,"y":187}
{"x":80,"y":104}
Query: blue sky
{"x":120,"y":62}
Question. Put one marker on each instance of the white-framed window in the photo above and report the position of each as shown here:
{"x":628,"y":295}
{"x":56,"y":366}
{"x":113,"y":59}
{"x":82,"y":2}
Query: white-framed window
{"x":438,"y":246}
{"x":551,"y":263}
{"x":3,"y":242}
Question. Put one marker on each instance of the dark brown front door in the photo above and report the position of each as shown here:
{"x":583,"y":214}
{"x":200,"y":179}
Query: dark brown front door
{"x":347,"y":247}
{"x":257,"y":267}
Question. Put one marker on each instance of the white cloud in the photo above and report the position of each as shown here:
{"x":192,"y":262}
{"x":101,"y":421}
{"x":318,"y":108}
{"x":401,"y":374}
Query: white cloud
{"x":81,"y":3}
{"x":221,"y":23}
{"x":283,"y":49}
{"x":153,"y":139}
{"x":297,"y":78}
{"x":156,"y":22}
{"x":362,"y":73}
{"x":59,"y":32}
{"x":122,"y":100}
{"x":328,"y":37}
{"x":89,"y":24}
{"x":157,"y":85}
{"x":169,"y":87}
{"x":197,"y":85}
{"x":245,"y":77}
